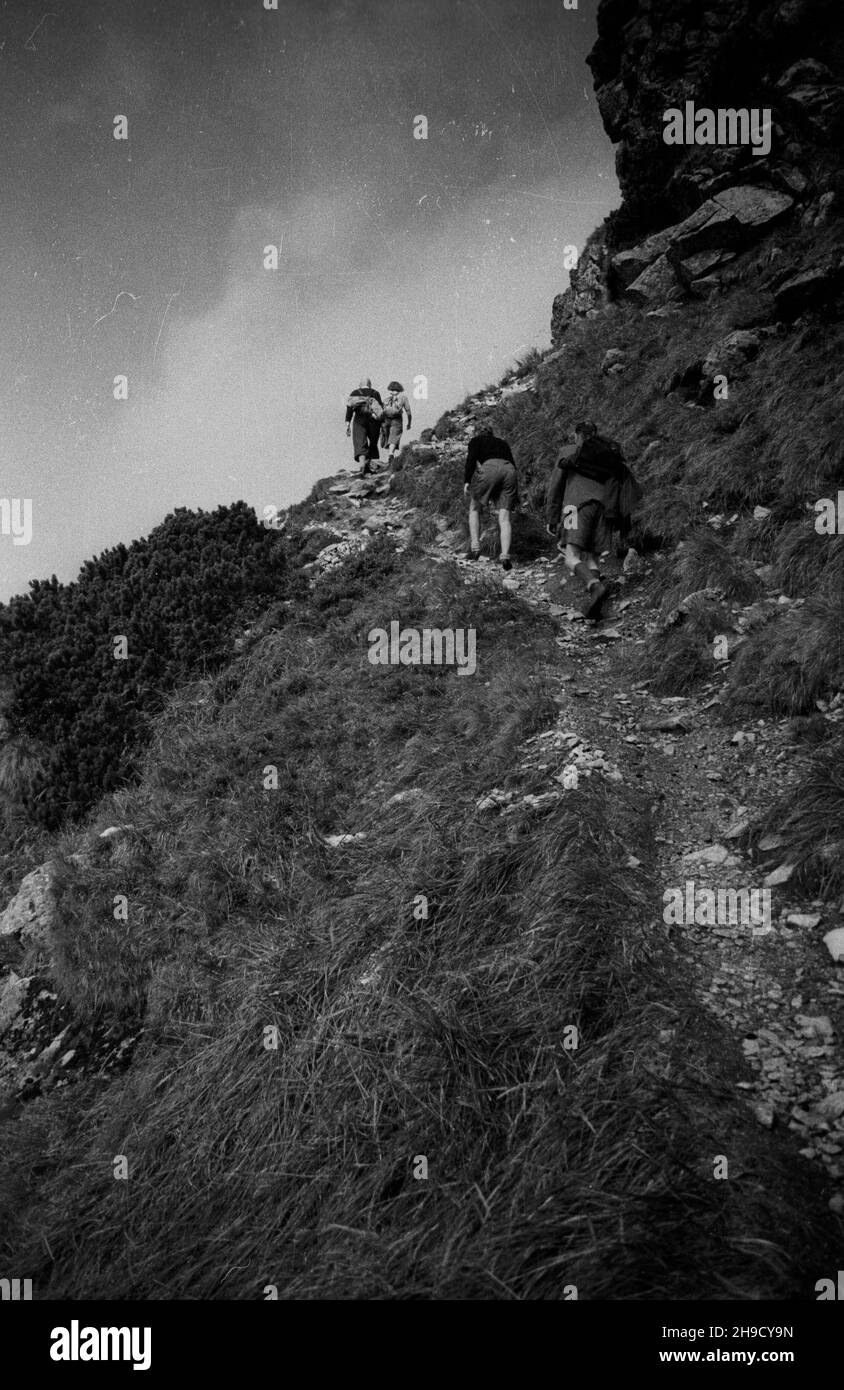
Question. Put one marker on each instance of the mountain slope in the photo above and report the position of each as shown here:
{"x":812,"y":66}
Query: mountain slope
{"x":372,"y":985}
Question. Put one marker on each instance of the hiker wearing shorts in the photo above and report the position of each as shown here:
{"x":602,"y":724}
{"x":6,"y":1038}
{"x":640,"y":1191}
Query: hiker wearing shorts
{"x":490,"y":477}
{"x":391,"y":430}
{"x":577,"y":488}
{"x":363,"y":428}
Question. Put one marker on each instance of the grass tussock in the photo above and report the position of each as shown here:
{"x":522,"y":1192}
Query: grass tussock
{"x":676,"y":661}
{"x":705,"y":561}
{"x":792,"y":661}
{"x":810,"y":818}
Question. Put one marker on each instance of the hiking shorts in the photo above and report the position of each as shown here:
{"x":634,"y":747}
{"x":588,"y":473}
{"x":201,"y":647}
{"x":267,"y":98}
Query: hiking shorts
{"x":392,"y":432}
{"x":590,"y":532}
{"x":495,"y":482}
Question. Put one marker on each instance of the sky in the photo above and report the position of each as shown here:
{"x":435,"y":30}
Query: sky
{"x":143,"y":257}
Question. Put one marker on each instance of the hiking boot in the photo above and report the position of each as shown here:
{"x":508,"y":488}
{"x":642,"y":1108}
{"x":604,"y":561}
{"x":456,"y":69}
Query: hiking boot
{"x":472,"y":554}
{"x":506,"y":564}
{"x":591,"y":606}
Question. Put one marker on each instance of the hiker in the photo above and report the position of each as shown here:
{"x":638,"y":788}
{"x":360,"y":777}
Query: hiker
{"x":578,"y":487}
{"x":391,"y":429}
{"x":490,"y":477}
{"x":364,"y":413}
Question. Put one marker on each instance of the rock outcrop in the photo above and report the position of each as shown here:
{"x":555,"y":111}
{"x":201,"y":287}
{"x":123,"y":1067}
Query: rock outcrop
{"x":26,"y":919}
{"x":650,"y":57}
{"x":691,"y":212}
{"x":588,"y":289}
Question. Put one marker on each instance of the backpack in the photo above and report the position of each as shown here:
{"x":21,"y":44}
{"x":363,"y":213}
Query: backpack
{"x":366,"y":405}
{"x":392,"y":405}
{"x":598,"y":458}
{"x":622,"y":495}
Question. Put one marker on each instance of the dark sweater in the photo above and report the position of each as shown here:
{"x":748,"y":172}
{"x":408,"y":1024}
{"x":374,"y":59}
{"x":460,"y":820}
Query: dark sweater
{"x":483,"y":447}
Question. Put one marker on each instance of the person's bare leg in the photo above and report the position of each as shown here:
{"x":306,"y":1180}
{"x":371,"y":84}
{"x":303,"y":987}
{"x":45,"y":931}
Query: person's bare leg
{"x":505,"y":526}
{"x":583,"y":564}
{"x":474,"y":525}
{"x":572,"y":557}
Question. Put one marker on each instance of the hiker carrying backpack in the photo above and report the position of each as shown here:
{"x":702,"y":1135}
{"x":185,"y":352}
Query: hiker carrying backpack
{"x":601,"y":459}
{"x":392,"y":425}
{"x":364,"y":413}
{"x":595,"y":490}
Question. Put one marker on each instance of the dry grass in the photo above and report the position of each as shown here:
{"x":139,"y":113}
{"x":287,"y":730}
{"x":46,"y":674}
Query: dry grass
{"x":810,"y":818}
{"x":398,"y":1037}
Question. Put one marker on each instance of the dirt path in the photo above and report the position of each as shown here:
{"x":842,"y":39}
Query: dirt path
{"x":771,"y":981}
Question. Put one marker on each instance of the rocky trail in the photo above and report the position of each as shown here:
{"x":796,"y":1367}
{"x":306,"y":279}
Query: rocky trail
{"x":774,"y":981}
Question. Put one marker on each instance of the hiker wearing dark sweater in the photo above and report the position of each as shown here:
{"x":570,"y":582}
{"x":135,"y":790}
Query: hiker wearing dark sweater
{"x":363,"y":423}
{"x":391,"y":429}
{"x":577,"y":487}
{"x":490,"y":477}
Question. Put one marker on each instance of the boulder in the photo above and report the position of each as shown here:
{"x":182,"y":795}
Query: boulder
{"x":731,"y":352}
{"x":695,"y":267}
{"x":614,"y":361}
{"x":656,"y":285}
{"x":834,"y":942}
{"x":710,"y":854}
{"x":627,"y":266}
{"x":333,"y":555}
{"x":793,"y":178}
{"x":811,"y":90}
{"x":732,"y":218}
{"x":421,"y":453}
{"x":778,"y":876}
{"x":29,"y":915}
{"x":362,"y":487}
{"x":809,"y":290}
{"x":117,"y":832}
{"x":832,"y":1106}
{"x":709,"y":285}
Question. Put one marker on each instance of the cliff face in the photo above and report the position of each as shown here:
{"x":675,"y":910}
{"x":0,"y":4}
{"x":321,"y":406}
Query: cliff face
{"x":719,"y":198}
{"x":655,"y":54}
